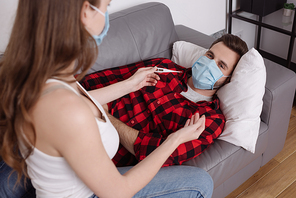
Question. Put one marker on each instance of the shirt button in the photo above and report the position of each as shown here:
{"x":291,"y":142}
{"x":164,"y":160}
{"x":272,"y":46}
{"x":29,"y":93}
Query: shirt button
{"x":158,"y":102}
{"x":175,"y":94}
{"x":132,"y":122}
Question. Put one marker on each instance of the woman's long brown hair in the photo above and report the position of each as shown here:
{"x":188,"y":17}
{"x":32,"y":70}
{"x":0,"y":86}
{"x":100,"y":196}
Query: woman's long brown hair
{"x":46,"y":38}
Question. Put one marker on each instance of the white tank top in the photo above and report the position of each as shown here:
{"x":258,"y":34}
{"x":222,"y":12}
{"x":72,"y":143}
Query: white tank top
{"x":52,"y":176}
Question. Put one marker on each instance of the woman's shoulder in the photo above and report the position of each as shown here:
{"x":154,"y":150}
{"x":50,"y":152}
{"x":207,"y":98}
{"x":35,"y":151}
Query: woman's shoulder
{"x":58,"y":116}
{"x":59,"y":99}
{"x":60,"y":107}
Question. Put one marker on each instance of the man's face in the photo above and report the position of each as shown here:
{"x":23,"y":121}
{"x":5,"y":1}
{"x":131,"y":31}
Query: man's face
{"x":225,"y":58}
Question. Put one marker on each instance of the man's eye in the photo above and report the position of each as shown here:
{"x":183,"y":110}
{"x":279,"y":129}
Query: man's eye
{"x":210,"y":56}
{"x":222,"y":66}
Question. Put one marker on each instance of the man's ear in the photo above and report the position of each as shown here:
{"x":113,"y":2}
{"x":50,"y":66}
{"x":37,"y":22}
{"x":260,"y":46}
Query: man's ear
{"x":224,"y":83}
{"x":227,"y":80}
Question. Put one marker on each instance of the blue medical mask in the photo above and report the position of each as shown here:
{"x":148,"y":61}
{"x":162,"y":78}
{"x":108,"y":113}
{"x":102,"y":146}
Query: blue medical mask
{"x":99,"y":38}
{"x":205,"y":73}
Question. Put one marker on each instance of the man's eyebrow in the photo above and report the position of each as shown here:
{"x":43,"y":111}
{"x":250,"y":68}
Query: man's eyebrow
{"x":209,"y":51}
{"x":223,"y":63}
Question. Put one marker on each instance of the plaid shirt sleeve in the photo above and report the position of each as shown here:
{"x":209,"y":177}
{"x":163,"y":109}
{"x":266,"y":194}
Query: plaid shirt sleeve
{"x":158,"y":111}
{"x":147,"y":142}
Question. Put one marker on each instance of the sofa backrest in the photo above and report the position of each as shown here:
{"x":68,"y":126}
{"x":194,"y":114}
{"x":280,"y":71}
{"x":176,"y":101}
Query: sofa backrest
{"x":138,"y":33}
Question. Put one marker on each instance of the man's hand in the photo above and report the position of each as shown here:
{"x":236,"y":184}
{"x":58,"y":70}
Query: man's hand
{"x":192,"y":129}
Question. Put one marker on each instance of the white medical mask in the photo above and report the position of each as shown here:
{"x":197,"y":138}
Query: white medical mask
{"x":205,"y":73}
{"x":99,"y":38}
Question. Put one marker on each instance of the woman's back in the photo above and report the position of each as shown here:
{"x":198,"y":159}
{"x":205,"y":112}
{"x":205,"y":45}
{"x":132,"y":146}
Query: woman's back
{"x":53,"y":177}
{"x":51,"y":174}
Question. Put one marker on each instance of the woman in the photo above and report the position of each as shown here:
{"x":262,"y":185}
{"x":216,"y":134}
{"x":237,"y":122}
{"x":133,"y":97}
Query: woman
{"x":65,"y":138}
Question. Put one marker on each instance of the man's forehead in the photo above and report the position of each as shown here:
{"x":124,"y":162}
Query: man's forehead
{"x":225,"y":54}
{"x":219,"y":45}
{"x":222,"y":50}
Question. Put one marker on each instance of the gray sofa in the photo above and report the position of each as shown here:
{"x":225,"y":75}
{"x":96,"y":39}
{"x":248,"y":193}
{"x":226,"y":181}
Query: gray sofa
{"x":147,"y":31}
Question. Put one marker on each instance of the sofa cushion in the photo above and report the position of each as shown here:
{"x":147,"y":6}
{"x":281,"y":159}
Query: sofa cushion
{"x":193,"y":36}
{"x":223,"y":160}
{"x":150,"y":22}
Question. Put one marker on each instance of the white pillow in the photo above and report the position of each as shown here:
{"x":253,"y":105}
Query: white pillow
{"x":185,"y":53}
{"x":241,"y":99}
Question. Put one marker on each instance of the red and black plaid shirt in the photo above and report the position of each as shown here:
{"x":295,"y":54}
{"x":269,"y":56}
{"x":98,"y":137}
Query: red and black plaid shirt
{"x":158,"y":111}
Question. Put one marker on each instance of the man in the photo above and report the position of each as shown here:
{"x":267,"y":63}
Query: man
{"x":152,"y":113}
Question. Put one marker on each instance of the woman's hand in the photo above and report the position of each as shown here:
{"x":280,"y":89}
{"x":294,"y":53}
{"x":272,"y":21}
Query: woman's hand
{"x":192,"y":129}
{"x":144,"y":77}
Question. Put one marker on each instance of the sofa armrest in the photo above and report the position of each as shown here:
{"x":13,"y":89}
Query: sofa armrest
{"x":277,"y":105}
{"x":190,"y":35}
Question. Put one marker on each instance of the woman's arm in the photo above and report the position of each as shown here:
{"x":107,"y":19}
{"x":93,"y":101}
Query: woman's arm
{"x":148,"y":167}
{"x":143,"y":77}
{"x":77,"y":139}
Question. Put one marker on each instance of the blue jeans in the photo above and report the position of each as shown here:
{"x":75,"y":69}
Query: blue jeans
{"x":8,"y":188}
{"x":176,"y":181}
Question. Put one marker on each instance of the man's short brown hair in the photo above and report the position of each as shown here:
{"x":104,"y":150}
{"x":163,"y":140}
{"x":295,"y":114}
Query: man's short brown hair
{"x":234,"y":43}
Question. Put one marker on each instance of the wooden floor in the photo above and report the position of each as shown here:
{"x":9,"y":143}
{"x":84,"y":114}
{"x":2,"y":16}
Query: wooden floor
{"x":278,"y":177}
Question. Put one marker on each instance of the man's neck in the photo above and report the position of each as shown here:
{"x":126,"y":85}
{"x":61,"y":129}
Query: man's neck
{"x":204,"y":92}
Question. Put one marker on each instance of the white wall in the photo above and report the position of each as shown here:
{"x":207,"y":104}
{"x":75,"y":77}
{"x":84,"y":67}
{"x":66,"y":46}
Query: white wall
{"x":206,"y":16}
{"x":292,"y":1}
{"x":7,"y":14}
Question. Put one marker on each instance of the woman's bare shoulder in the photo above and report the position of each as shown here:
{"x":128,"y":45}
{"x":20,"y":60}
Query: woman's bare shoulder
{"x":60,"y":116}
{"x":59,"y":102}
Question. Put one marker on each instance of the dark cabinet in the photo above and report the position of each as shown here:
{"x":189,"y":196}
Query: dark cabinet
{"x":261,"y":7}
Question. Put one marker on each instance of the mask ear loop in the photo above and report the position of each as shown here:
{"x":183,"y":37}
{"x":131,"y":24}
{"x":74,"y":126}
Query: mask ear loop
{"x":97,"y":9}
{"x":226,"y":81}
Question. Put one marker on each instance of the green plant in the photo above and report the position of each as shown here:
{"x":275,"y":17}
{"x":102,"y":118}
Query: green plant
{"x":290,"y":6}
